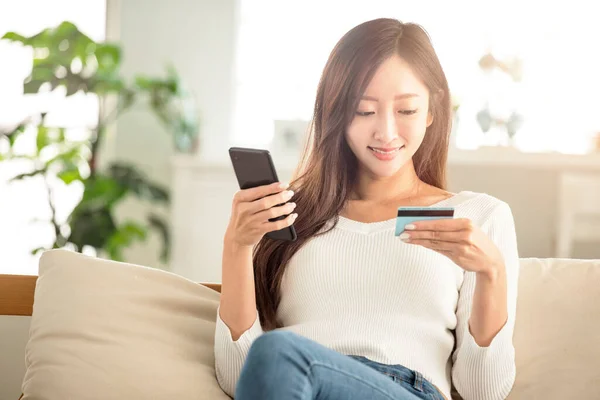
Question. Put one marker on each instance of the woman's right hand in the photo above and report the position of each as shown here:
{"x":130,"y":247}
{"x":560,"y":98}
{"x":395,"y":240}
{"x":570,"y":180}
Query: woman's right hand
{"x":252,"y":209}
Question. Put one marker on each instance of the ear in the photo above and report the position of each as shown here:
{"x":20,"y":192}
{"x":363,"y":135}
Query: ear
{"x":436,"y":100}
{"x":429,"y":118}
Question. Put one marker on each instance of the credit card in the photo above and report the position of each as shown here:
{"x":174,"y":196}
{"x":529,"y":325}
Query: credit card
{"x":408,"y":215}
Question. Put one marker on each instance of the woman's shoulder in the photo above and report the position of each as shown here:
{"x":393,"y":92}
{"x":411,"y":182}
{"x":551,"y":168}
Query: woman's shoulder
{"x":470,"y":198}
{"x":478,"y":206}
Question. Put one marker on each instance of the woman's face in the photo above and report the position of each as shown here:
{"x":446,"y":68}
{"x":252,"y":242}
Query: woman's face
{"x":390,"y":122}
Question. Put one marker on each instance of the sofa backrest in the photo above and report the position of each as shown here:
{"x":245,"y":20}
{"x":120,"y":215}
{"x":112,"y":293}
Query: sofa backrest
{"x":557,"y":331}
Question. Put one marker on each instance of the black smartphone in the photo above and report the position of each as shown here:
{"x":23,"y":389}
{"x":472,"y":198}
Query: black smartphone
{"x":254,"y":167}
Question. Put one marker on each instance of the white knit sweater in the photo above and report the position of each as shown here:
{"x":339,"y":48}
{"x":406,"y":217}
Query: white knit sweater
{"x":360,"y":290}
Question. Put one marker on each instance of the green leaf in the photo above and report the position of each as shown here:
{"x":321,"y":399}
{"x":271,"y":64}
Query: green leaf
{"x":64,"y":43}
{"x":14,"y":134}
{"x":91,"y":225}
{"x":61,"y":135}
{"x":73,"y":86}
{"x":32,"y":87}
{"x":37,"y":250}
{"x":123,"y":237}
{"x":42,"y":139}
{"x":38,"y":77}
{"x":40,"y":39}
{"x":133,"y":230}
{"x":65,"y":29}
{"x":134,"y":181}
{"x":143,"y":82}
{"x":102,"y":191}
{"x":108,"y":56}
{"x":157,"y":193}
{"x":70,"y":175}
{"x":106,"y":83}
{"x":127,"y":98}
{"x":44,"y":69}
{"x":161,"y":226}
{"x":70,"y":156}
{"x":83,"y":48}
{"x":15,"y":37}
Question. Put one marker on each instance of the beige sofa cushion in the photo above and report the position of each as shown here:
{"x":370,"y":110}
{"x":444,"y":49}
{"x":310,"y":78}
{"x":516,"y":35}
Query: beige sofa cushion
{"x":107,"y":330}
{"x":557,"y":332}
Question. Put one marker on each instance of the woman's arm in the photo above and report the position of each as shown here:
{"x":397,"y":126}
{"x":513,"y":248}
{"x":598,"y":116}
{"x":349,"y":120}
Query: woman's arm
{"x":238,"y":324}
{"x":484,"y":359}
{"x":489,"y":310}
{"x":484,"y":366}
{"x":237,"y":306}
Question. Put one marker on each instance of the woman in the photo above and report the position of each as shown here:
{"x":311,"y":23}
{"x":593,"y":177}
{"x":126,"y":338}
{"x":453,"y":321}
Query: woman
{"x":349,"y":310}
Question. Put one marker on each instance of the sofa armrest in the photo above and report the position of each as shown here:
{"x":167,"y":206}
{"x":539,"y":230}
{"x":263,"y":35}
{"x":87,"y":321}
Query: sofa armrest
{"x":16,"y":294}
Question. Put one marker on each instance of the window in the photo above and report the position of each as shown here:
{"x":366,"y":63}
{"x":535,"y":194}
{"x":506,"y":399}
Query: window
{"x":26,"y":201}
{"x":282,"y":50}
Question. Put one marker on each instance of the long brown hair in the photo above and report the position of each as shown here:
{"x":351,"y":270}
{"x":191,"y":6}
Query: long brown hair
{"x":328,"y":169}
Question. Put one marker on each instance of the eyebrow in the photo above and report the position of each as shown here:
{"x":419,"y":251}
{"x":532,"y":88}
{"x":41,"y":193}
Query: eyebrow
{"x":398,"y":97}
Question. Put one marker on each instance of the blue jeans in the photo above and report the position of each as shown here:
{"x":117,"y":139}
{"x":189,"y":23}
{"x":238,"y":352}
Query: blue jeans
{"x":282,"y":365}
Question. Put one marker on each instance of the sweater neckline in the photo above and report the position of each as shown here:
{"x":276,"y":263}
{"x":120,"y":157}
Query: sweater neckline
{"x":378,"y":226}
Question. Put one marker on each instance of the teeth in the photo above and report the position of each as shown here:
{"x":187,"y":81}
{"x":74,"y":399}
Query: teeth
{"x":385,"y":152}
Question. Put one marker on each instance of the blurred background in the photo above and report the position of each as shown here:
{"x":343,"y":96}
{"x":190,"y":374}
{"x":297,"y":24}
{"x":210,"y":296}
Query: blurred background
{"x":116,"y":117}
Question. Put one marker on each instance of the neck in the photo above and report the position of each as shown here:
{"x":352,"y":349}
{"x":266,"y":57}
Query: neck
{"x":404,"y":184}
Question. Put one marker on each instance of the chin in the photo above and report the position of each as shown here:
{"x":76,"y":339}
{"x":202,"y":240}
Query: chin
{"x":381,"y":170}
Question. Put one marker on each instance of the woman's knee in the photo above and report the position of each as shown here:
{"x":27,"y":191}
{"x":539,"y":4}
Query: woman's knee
{"x":273,"y":344}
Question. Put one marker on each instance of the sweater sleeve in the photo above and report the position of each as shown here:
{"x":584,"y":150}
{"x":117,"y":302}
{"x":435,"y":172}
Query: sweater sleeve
{"x":488,"y":373}
{"x":230,"y":355}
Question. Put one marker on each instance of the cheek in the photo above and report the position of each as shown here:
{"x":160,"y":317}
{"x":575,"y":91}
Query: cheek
{"x":414,"y":130}
{"x":356,"y":133}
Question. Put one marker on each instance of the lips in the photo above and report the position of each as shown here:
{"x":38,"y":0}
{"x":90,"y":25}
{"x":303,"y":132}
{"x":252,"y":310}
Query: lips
{"x":385,"y":153}
{"x":385,"y":149}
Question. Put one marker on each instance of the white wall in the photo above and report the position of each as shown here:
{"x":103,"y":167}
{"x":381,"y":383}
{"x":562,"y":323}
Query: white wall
{"x":532,"y":195}
{"x":198,"y":38}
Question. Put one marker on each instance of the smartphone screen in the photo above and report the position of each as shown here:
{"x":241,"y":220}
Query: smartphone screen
{"x":254,"y":167}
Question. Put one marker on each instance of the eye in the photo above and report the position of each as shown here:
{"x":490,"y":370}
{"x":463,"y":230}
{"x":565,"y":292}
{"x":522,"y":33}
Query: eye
{"x":364,"y":113}
{"x":407,"y":112}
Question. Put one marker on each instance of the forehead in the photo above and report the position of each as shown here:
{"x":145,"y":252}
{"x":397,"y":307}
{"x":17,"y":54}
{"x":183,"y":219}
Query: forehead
{"x":393,"y":77}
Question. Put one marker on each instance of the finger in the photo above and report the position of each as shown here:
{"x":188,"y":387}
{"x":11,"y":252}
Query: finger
{"x":444,"y":236}
{"x":252,"y":194}
{"x":448,"y":225}
{"x":274,"y":212}
{"x":271,"y":201}
{"x":436,"y":245}
{"x":277,"y":225}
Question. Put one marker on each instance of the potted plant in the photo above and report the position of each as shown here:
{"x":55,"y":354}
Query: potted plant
{"x":68,"y":60}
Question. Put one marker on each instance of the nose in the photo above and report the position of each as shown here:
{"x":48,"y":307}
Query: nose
{"x":387,"y":129}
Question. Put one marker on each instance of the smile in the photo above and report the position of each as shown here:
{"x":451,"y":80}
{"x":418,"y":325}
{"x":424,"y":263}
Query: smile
{"x":385,"y":151}
{"x":386,"y":154}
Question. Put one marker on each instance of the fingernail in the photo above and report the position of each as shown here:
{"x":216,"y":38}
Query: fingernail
{"x":284,"y":185}
{"x":293,"y":205}
{"x":289,"y":194}
{"x":294,"y":216}
{"x":409,"y":227}
{"x":404,"y":236}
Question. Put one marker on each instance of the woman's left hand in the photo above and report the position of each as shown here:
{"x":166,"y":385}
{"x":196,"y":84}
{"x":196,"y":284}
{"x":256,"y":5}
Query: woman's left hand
{"x":458,"y":239}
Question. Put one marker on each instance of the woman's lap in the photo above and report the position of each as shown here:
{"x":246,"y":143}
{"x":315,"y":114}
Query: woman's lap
{"x":283,"y":365}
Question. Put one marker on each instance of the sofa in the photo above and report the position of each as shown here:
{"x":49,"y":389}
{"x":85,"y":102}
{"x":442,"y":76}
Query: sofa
{"x":88,"y":328}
